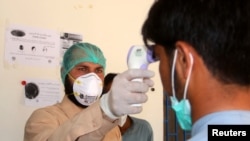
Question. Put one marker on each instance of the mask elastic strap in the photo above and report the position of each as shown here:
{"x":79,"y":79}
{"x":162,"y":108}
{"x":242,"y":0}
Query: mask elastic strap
{"x":76,"y":94}
{"x":71,"y":77}
{"x":189,"y":74}
{"x":172,"y":72}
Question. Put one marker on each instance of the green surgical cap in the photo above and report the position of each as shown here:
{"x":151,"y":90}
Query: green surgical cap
{"x":78,"y":53}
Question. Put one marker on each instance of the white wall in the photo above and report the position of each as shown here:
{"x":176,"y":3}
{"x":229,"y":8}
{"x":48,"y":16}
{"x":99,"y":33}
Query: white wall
{"x":111,"y":24}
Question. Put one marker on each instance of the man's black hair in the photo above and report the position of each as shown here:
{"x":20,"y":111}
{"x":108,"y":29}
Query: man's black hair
{"x":108,"y":79}
{"x":218,"y":30}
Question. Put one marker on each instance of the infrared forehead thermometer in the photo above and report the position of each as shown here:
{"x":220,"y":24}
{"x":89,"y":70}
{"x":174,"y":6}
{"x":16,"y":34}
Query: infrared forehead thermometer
{"x":139,"y":57}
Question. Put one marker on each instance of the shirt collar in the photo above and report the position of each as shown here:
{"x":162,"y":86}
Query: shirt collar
{"x":69,"y":107}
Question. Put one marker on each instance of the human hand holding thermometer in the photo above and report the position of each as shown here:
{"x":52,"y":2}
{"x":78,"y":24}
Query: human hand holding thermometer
{"x":139,"y":57}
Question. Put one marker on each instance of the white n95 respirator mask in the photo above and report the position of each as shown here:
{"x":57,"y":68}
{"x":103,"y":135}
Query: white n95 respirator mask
{"x":87,"y":88}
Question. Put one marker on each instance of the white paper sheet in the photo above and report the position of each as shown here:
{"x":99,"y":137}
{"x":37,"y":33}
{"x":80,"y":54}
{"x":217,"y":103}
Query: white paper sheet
{"x":32,"y":46}
{"x":42,"y":92}
{"x":67,"y":40}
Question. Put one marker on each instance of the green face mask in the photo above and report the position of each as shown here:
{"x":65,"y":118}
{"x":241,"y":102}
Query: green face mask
{"x":183,"y":112}
{"x":182,"y":109}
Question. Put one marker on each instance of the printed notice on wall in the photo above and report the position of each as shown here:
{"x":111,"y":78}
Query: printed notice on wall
{"x":32,"y":46}
{"x":42,"y":92}
{"x":67,"y":40}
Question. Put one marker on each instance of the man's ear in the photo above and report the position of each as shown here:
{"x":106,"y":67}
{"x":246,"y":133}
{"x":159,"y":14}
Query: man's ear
{"x":184,"y":58}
